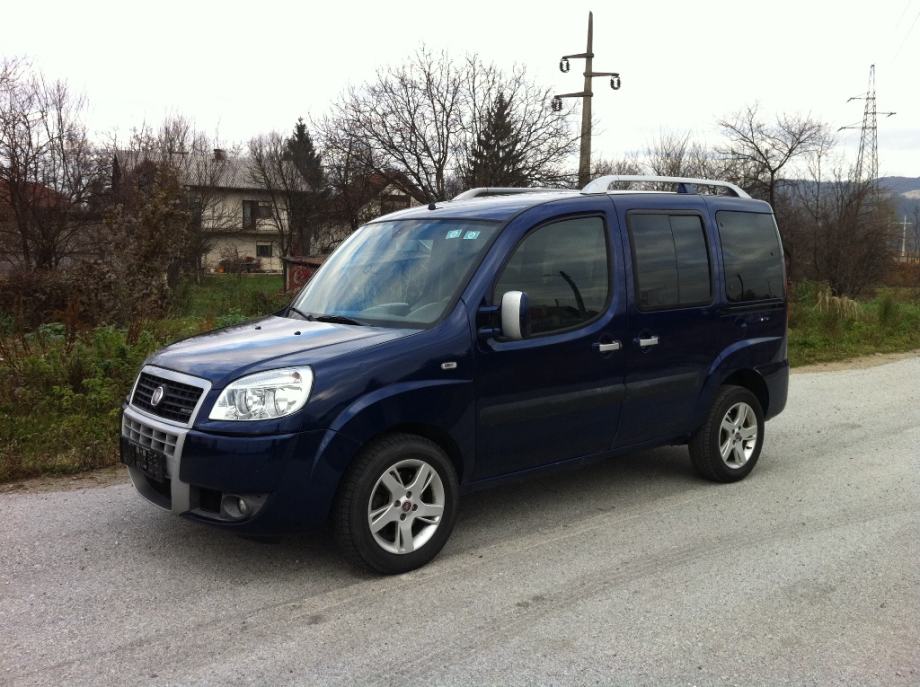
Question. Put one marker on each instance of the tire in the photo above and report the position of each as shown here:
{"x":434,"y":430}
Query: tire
{"x":409,"y":528}
{"x":725,"y":427}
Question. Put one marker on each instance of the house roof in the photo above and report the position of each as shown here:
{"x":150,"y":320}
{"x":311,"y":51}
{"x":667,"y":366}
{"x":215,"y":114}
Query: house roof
{"x":200,"y":169}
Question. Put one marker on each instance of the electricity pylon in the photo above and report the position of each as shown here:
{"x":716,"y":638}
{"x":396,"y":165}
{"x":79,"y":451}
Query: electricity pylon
{"x":584,"y":158}
{"x":867,"y":160}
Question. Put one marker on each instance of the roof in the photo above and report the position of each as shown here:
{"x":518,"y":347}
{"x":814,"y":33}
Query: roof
{"x":503,"y":208}
{"x":201,"y":169}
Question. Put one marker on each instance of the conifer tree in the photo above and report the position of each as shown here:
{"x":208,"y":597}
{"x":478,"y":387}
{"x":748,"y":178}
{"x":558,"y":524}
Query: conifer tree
{"x":307,"y":205}
{"x":497,"y":156}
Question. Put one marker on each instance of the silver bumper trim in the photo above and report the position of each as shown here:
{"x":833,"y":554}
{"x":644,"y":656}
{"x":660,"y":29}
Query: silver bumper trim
{"x":180,"y":493}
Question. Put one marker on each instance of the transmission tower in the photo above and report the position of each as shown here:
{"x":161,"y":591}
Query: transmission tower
{"x":867,"y":160}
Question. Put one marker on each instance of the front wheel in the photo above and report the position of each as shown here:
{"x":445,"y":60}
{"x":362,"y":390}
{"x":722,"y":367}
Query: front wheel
{"x":397,"y":505}
{"x":727,"y":446}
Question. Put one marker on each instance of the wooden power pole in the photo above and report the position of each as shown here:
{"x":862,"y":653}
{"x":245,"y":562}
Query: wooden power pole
{"x":584,"y":157}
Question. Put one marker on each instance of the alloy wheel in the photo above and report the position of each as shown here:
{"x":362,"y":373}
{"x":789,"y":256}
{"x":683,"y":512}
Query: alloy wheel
{"x":406,"y":506}
{"x":738,"y":435}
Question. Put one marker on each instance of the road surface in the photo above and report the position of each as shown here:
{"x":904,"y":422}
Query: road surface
{"x":630,"y":572}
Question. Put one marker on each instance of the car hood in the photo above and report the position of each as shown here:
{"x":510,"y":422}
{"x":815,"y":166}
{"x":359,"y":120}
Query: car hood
{"x":225,"y":354}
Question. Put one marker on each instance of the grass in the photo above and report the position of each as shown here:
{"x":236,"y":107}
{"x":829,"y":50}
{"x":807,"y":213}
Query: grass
{"x":887,"y":323}
{"x":220,"y":294}
{"x":60,"y":399}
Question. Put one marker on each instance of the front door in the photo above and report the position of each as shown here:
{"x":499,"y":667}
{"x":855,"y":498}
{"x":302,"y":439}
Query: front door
{"x":556,"y":394}
{"x":674,"y":334}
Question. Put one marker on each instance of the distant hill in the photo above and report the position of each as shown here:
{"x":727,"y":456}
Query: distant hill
{"x":905,"y":190}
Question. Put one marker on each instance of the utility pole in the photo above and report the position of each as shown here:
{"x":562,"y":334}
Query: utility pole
{"x":584,"y":157}
{"x":867,"y":159}
{"x":904,"y":225}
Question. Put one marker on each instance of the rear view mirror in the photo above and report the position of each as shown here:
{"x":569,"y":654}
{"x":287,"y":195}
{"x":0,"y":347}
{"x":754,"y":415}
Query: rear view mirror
{"x":514,"y":316}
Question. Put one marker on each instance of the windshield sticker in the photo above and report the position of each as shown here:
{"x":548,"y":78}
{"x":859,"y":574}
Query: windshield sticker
{"x":454,"y":233}
{"x":471,"y":235}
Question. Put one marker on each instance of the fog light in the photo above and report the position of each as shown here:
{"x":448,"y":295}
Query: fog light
{"x":238,"y":507}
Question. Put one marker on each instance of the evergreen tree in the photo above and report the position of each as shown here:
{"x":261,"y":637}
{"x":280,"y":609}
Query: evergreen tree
{"x":306,"y":204}
{"x":301,"y":151}
{"x":497,"y":157}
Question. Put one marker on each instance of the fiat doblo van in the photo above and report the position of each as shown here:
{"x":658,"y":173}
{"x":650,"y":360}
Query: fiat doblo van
{"x":453,"y":346}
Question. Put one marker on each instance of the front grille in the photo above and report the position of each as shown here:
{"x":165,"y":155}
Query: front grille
{"x":151,"y":437}
{"x":178,"y":402}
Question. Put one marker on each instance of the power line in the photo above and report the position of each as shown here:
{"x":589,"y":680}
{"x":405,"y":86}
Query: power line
{"x":904,"y":41}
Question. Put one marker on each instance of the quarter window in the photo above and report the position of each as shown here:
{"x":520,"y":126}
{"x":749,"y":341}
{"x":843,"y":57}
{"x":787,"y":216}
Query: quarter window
{"x":751,"y":256}
{"x":563,"y":269}
{"x":671,"y":260}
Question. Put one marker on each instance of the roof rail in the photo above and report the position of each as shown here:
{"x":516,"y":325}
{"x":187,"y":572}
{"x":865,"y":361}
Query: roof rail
{"x":601,"y":184}
{"x":485,"y":191}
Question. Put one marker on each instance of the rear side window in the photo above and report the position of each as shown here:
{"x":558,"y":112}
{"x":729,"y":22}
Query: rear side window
{"x":671,"y":260}
{"x":562,"y":267}
{"x":751,"y":256}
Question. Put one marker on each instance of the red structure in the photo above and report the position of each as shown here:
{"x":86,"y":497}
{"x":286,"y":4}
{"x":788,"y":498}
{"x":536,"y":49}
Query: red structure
{"x":300,"y":269}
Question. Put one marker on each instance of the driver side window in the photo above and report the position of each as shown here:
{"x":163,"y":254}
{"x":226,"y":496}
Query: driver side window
{"x":562,"y":267}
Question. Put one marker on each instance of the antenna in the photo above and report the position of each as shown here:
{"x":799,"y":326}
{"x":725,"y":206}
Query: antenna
{"x":867,"y":159}
{"x":584,"y":158}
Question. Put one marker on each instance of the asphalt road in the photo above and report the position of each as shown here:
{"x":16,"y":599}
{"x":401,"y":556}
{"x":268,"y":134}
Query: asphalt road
{"x":629,"y":572}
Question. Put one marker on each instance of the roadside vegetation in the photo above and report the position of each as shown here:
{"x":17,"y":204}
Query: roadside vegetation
{"x":824,"y":328}
{"x":62,"y":386}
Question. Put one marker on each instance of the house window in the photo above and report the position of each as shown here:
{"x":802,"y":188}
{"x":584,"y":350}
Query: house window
{"x":263,"y":250}
{"x":255,"y":210}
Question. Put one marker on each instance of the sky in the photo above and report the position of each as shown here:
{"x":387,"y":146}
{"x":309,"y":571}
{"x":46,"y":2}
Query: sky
{"x":239,"y":69}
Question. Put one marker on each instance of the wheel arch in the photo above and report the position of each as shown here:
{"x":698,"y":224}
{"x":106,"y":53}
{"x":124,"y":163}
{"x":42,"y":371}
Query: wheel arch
{"x":752,"y":381}
{"x":437,"y":435}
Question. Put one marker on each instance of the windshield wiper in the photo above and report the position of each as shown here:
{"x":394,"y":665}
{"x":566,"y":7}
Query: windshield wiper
{"x":336,"y":319}
{"x":300,"y":312}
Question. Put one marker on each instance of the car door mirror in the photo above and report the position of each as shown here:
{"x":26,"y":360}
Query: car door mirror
{"x":515,"y":317}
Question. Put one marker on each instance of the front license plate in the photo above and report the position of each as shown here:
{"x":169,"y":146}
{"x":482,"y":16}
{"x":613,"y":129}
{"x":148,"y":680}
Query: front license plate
{"x":151,"y":463}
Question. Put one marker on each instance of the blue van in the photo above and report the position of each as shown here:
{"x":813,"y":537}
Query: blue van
{"x":457,"y":345}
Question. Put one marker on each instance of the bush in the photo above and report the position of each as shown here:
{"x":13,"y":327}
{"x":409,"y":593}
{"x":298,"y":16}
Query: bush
{"x":60,"y":398}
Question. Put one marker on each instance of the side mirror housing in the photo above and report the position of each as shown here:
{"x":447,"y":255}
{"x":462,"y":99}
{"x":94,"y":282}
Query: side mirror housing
{"x":515,"y":318}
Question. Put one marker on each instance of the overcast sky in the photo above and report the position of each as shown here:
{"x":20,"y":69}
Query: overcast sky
{"x":244,"y":68}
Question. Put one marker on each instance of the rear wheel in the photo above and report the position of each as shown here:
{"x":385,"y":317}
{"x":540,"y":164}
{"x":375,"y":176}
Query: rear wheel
{"x":397,"y":505}
{"x":727,"y":446}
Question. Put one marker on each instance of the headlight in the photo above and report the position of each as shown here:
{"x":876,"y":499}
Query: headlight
{"x":264,"y":395}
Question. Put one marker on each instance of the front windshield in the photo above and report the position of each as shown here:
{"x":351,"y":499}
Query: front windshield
{"x":401,"y":272}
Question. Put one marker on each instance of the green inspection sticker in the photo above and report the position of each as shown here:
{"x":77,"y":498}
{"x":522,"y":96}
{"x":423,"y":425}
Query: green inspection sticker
{"x":471,"y":235}
{"x":454,"y":233}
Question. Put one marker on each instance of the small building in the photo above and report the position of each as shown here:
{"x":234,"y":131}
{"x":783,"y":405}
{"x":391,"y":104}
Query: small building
{"x":242,"y":217}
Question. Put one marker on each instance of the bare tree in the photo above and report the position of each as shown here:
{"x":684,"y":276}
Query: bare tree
{"x":761,"y":151}
{"x":48,"y":168}
{"x":202,"y":167}
{"x":628,"y":165}
{"x":676,"y":154}
{"x":422,"y":116}
{"x":543,"y":137}
{"x":353,"y":172}
{"x":271,"y":169}
{"x":854,"y":236}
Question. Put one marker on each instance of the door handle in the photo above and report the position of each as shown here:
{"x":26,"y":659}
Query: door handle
{"x":646,"y":341}
{"x":607,"y":347}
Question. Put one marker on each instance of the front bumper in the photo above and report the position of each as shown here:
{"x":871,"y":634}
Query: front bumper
{"x":288,"y":476}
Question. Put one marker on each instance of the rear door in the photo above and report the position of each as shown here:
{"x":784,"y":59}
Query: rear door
{"x":556,"y":394}
{"x":673,"y":330}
